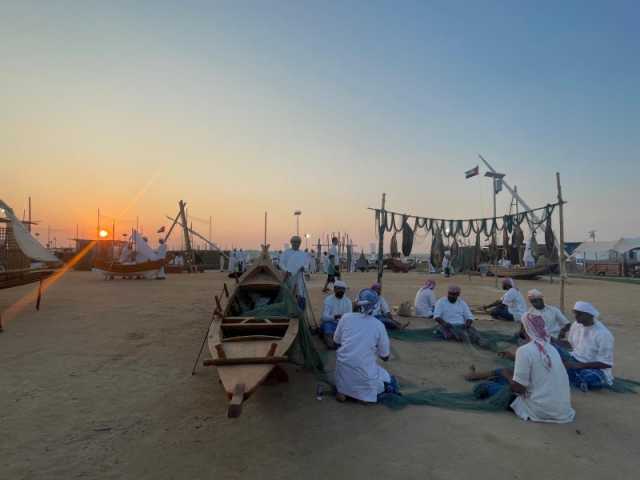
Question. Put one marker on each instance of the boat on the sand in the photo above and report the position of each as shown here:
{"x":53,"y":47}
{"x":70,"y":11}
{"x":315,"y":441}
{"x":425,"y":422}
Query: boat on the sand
{"x":252,"y":330}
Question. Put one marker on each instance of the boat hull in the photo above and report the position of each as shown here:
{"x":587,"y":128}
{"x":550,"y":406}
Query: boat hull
{"x":115,"y":269}
{"x":15,"y":278}
{"x":246,"y":348}
{"x":522,"y":273}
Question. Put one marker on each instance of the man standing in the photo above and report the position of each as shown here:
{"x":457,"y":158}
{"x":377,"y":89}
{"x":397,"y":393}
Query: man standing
{"x":591,"y":360}
{"x":511,"y":306}
{"x":333,"y":250}
{"x":446,"y":269}
{"x":454,"y":317}
{"x":555,"y":322}
{"x":332,"y":273}
{"x":293,"y":262}
{"x":361,"y":340}
{"x":335,"y":306}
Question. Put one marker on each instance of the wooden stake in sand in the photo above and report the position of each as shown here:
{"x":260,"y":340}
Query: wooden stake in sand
{"x":561,"y":254}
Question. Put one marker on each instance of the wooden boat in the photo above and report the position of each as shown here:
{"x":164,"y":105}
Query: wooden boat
{"x":246,"y":347}
{"x":518,"y":272}
{"x":15,"y":278}
{"x":116,"y":269}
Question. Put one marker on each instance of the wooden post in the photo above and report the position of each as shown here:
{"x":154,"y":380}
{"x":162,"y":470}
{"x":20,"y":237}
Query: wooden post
{"x":265,"y":229}
{"x":561,"y":254}
{"x":381,"y":239}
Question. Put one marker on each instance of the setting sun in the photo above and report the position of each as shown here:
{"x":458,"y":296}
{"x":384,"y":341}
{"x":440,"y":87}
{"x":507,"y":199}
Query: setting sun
{"x":103,"y":234}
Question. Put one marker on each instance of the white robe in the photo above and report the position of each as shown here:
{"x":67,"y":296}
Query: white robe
{"x":425,"y":302}
{"x":335,"y":306}
{"x":527,"y":258}
{"x":233,"y":261}
{"x":548,"y":396}
{"x":293,"y":261}
{"x":362,"y":339}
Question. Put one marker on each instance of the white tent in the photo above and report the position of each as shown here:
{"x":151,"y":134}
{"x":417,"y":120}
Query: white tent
{"x":607,"y":250}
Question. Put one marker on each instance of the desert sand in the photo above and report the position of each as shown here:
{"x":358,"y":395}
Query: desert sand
{"x":98,"y":384}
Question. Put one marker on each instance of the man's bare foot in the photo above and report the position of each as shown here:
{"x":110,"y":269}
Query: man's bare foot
{"x":341,"y":398}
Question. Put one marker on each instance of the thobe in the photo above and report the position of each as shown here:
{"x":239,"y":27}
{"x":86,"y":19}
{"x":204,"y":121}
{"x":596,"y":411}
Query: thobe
{"x":161,"y":253}
{"x":233,"y":259}
{"x":362,"y":340}
{"x":293,"y":261}
{"x":334,"y":306}
{"x":425,"y":302}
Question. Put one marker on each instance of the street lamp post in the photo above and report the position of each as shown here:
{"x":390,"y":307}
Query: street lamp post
{"x":297,"y":214}
{"x":497,"y":187}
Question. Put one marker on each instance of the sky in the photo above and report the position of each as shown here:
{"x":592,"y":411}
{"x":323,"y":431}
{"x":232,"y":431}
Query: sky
{"x":244,"y":107}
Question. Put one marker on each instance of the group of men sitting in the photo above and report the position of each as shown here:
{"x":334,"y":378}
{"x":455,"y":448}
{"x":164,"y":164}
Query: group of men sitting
{"x":338,"y":304}
{"x":554,"y":354}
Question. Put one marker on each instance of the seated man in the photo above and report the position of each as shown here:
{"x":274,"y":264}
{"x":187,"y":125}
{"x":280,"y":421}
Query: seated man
{"x":538,"y":379}
{"x":454,"y":317}
{"x":382,"y":311}
{"x":425,"y":300}
{"x":555,"y":322}
{"x":335,"y":306}
{"x":511,"y":306}
{"x":590,"y":362}
{"x":361,"y":340}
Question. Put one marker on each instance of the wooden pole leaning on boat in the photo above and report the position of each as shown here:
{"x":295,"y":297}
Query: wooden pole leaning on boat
{"x":218,"y":310}
{"x":39,"y":295}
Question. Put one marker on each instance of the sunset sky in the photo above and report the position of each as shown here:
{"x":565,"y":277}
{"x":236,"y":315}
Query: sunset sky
{"x":241,"y":107}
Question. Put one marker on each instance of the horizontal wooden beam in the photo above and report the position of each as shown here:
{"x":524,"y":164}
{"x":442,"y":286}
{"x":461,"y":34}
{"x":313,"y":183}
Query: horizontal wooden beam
{"x":244,"y":361}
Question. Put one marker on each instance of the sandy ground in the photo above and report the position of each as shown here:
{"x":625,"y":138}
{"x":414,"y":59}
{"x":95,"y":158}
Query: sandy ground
{"x":98,"y":385}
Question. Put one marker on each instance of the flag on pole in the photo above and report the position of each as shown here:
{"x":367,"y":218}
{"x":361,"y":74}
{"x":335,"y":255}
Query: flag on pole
{"x":473,"y":172}
{"x":161,"y":229}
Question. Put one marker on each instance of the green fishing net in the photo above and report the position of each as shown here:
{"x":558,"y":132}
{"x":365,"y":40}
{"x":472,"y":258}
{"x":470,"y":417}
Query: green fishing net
{"x":491,"y":340}
{"x":439,"y":397}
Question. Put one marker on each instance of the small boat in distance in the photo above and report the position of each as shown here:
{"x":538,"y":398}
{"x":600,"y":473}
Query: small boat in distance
{"x":252,"y":332}
{"x":111,"y":269}
{"x":522,"y":273}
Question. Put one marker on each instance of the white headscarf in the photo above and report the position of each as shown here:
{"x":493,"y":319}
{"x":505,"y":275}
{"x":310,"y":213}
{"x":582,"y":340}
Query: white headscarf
{"x":535,"y":293}
{"x":586,"y":307}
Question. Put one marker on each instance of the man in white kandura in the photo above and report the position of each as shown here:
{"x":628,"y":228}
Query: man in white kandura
{"x":538,"y":379}
{"x":361,"y":340}
{"x":425,"y":300}
{"x":590,"y":362}
{"x":233,"y":260}
{"x":454,"y":317}
{"x":511,"y":306}
{"x":556,"y":323}
{"x":335,"y":306}
{"x":161,"y":254}
{"x":293,"y":262}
